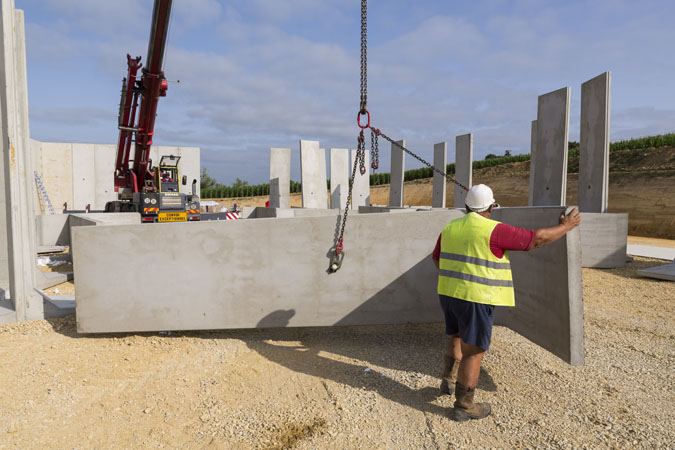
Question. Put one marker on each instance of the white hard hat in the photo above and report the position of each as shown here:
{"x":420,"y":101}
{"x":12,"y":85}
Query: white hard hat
{"x":479,"y":198}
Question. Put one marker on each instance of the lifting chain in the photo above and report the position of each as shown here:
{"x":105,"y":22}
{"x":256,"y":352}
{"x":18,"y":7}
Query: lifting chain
{"x":359,"y":160}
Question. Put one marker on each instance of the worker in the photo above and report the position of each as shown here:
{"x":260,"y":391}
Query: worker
{"x":474,"y":277}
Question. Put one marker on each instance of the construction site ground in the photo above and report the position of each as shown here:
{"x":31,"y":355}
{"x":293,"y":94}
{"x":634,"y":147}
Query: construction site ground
{"x":345,"y":387}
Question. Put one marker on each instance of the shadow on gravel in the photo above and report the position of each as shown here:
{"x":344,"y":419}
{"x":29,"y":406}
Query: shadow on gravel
{"x":412,"y":350}
{"x":415,"y":350}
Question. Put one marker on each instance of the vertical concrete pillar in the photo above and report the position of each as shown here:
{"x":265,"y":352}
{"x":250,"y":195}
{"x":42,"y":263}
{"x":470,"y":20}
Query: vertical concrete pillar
{"x":313,"y":173}
{"x":339,"y":177}
{"x":533,"y":151}
{"x":397,"y":174}
{"x":440,"y":163}
{"x":280,"y":177}
{"x":463,"y":166}
{"x":361,"y":188}
{"x":18,"y":171}
{"x":594,"y":144}
{"x":550,"y":171}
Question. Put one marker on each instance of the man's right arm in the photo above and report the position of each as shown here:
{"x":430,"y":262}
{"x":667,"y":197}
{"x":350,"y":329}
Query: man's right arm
{"x":545,"y":236}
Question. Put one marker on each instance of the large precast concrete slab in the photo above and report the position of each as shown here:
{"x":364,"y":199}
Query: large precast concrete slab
{"x":440,"y":183}
{"x":361,"y":186}
{"x":273,"y":272}
{"x":19,"y":189}
{"x":549,"y":304}
{"x":397,"y":173}
{"x":550,"y":171}
{"x":604,"y":239}
{"x":463,"y":167}
{"x":313,"y":173}
{"x":594,"y":144}
{"x":339,"y":177}
{"x":533,"y":152}
{"x":280,"y":178}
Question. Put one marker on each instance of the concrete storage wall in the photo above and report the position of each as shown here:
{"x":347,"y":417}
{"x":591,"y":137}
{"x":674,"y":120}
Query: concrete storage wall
{"x":82,"y":174}
{"x":273,"y":272}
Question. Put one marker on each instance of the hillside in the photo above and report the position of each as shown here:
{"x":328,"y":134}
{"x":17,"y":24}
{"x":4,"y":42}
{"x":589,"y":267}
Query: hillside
{"x":641,"y":183}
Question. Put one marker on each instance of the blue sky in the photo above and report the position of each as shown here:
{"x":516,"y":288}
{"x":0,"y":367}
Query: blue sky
{"x":257,"y":74}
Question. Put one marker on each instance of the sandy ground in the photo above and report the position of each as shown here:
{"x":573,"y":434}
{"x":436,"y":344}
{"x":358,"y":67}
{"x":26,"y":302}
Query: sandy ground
{"x":345,"y":388}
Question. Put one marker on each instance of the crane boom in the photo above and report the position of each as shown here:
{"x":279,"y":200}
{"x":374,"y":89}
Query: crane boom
{"x":139,"y":176}
{"x":154,"y":192}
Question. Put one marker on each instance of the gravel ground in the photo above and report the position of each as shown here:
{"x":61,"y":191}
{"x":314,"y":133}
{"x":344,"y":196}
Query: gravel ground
{"x":352,"y":387}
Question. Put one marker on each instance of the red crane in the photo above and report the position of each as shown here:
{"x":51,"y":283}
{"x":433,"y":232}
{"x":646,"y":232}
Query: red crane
{"x":139,"y":186}
{"x":151,"y":86}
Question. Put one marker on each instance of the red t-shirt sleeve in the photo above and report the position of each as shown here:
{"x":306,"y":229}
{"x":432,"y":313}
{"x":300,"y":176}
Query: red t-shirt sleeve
{"x":506,"y":237}
{"x":436,"y":255}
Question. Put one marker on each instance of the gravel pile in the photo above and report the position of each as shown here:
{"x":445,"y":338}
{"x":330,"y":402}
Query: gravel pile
{"x":353,"y":387}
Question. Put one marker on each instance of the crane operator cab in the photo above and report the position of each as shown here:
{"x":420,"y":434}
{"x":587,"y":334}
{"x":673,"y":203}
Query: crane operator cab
{"x":167,"y":175}
{"x":167,"y":203}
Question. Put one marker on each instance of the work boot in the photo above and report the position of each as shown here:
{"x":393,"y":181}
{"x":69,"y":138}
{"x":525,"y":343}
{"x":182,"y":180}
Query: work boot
{"x":449,"y":375}
{"x":465,"y":408}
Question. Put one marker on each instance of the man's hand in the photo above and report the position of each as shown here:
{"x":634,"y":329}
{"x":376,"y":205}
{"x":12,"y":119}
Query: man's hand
{"x":571,"y":220}
{"x":568,"y":222}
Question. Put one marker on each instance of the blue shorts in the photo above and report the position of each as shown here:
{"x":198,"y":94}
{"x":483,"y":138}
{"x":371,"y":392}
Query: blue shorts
{"x":473,"y":321}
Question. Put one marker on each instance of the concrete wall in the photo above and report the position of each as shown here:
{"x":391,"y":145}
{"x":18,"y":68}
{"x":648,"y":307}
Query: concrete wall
{"x":463,"y":167}
{"x":19,"y":189}
{"x":273,"y":272}
{"x":313,"y":174}
{"x":550,"y":172}
{"x":533,"y":153}
{"x":440,"y":182}
{"x":361,"y":187}
{"x":604,"y":238}
{"x":549,"y":303}
{"x":397,"y":174}
{"x":339,"y":177}
{"x":280,"y":177}
{"x":82,"y":174}
{"x":594,"y":144}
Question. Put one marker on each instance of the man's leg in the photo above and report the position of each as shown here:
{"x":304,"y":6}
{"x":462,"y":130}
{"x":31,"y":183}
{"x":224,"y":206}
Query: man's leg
{"x":451,"y":360}
{"x":467,"y":379}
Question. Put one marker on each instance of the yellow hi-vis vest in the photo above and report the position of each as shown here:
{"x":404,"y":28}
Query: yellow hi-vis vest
{"x":468,"y":268}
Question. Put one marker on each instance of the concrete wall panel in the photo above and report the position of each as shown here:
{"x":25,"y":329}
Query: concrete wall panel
{"x":549,"y":304}
{"x":594,"y":144}
{"x":397,"y":174}
{"x":533,"y":153}
{"x":272,"y":272}
{"x":339,"y":177}
{"x":313,"y":173}
{"x":104,"y":190}
{"x":440,"y":182}
{"x":81,"y":173}
{"x":604,"y":238}
{"x":280,"y":178}
{"x":361,"y":188}
{"x":550,"y":172}
{"x":463,"y":167}
{"x":84,"y":176}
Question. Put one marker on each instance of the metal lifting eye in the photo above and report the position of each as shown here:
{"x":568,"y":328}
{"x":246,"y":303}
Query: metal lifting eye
{"x":336,"y":261}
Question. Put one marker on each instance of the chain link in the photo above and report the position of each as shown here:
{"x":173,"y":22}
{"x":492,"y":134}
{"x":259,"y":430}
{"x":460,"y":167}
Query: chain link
{"x":431,"y":166}
{"x":374,"y":149}
{"x":364,"y":57}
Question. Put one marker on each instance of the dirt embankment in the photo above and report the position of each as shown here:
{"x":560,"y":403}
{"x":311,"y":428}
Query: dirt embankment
{"x":344,"y":387}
